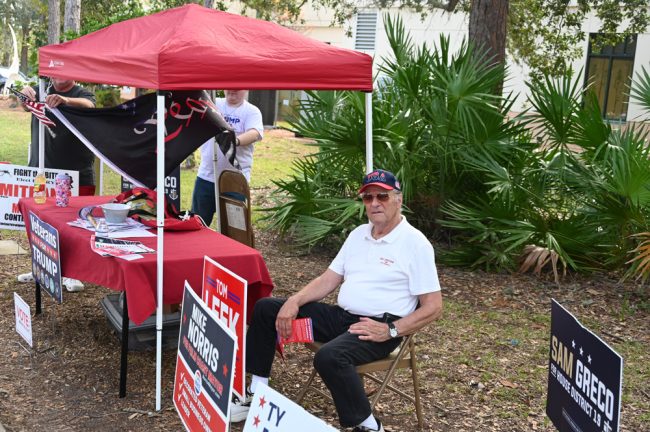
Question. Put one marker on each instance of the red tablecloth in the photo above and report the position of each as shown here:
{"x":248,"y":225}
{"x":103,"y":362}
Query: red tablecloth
{"x":183,"y":259}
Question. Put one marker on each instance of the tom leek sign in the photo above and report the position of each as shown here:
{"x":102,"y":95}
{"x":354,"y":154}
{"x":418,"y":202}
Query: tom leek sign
{"x":224,"y":293}
{"x":585,"y":377}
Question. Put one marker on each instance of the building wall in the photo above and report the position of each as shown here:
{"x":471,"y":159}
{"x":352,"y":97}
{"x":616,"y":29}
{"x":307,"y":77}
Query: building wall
{"x":454,"y":25}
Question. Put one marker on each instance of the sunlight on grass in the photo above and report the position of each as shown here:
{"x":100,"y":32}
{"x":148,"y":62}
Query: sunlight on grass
{"x":14,"y":136}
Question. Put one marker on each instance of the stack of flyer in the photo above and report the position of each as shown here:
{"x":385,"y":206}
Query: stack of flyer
{"x":125,"y":249}
{"x":302,"y":331}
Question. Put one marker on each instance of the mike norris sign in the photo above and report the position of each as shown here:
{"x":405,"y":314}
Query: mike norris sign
{"x":585,"y":377}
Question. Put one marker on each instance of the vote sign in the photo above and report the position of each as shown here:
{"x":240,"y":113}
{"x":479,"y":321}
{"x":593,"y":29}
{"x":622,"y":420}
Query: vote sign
{"x":585,"y":377}
{"x":204,"y":366}
{"x":225,"y":293}
{"x":46,"y":261}
{"x":23,"y":319}
{"x":272,"y":412}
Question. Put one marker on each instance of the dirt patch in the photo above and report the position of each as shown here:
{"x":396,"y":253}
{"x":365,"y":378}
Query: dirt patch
{"x":483,"y":367}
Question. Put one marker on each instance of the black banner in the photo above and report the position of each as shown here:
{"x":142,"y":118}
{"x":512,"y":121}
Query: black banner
{"x":172,"y":187}
{"x":124,"y":137}
{"x":585,"y":377}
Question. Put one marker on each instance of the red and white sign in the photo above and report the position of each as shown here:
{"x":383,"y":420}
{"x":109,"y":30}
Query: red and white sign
{"x":23,"y":319}
{"x":16,"y":182}
{"x":204,"y":364}
{"x":224,"y":292}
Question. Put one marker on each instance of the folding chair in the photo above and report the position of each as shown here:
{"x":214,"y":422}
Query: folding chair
{"x":401,"y":358}
{"x":235,"y":207}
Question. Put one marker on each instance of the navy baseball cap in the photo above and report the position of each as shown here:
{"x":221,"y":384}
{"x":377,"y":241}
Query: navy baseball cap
{"x":383,"y":179}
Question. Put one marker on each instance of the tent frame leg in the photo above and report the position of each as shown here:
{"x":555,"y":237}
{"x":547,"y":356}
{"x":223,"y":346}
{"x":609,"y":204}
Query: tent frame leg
{"x":37,"y":298}
{"x":125,"y":347}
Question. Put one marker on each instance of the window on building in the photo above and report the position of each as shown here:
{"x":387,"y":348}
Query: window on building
{"x":366,"y":30}
{"x":609,"y":72}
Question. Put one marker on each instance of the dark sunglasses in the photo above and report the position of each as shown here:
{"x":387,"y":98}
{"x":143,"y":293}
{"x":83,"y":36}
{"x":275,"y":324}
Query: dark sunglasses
{"x":381,"y":197}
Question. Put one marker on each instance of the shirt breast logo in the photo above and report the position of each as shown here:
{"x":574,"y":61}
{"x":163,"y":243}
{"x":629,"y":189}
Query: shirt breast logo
{"x":386,"y":261}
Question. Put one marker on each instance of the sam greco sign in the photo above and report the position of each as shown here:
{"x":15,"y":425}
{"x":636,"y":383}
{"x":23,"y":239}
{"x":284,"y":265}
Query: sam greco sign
{"x":17,"y":182}
{"x":585,"y":377}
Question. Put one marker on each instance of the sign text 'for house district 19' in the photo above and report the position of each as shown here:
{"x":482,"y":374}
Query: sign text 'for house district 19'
{"x":224,"y":293}
{"x":585,"y":377}
{"x":17,"y":182}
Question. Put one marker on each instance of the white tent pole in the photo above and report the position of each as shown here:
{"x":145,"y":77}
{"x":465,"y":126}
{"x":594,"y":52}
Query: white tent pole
{"x":160,"y":223}
{"x":215,"y":165}
{"x":41,"y":128}
{"x":101,"y":177}
{"x":368,"y":132}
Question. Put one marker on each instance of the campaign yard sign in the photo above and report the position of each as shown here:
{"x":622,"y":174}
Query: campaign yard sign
{"x":204,"y":367}
{"x":17,"y":182}
{"x":585,"y":377}
{"x":272,"y":412}
{"x":23,"y":319}
{"x":225,"y":293}
{"x":46,"y":260}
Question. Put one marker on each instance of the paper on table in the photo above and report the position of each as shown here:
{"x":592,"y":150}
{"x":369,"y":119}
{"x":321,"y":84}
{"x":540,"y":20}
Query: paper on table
{"x":130,"y":228}
{"x":124,"y":249}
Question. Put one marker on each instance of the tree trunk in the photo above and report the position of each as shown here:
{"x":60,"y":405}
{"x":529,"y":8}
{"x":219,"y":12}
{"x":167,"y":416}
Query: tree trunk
{"x":53,"y":21}
{"x":487,"y":28}
{"x":209,"y":4}
{"x":72,"y":17}
{"x":24,"y":51}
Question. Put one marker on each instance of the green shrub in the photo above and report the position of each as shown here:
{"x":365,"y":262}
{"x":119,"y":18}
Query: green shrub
{"x":471,"y":175}
{"x":108,"y":97}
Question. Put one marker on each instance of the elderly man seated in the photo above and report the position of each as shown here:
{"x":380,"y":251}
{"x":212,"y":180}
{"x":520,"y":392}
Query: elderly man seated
{"x":385,"y":269}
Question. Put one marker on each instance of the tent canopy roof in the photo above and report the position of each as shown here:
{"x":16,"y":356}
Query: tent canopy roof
{"x":192,"y":47}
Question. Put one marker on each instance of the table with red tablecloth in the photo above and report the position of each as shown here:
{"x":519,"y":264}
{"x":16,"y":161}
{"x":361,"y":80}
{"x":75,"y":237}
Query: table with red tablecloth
{"x":183,"y":259}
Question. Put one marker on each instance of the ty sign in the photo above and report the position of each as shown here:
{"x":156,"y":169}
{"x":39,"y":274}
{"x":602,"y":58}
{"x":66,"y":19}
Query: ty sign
{"x":272,"y":412}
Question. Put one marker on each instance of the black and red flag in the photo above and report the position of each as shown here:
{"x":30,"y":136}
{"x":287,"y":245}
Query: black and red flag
{"x":124,"y":136}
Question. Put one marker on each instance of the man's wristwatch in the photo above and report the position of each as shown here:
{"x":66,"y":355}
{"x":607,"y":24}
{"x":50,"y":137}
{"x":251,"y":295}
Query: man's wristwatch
{"x":237,"y":142}
{"x":392,"y":330}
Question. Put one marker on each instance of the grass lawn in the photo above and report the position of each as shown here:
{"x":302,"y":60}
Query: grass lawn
{"x":14,"y":136}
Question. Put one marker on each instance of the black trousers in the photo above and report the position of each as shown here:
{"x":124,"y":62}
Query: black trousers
{"x":335,"y":361}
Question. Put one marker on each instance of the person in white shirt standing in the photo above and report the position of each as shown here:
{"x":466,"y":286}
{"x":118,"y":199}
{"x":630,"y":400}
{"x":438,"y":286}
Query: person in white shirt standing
{"x":246,"y":119}
{"x":389,"y":288}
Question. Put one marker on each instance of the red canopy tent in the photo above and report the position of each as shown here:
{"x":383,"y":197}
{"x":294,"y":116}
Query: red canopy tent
{"x":192,"y":47}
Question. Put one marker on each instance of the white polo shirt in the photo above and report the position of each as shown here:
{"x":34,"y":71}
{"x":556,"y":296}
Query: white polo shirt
{"x":385,"y":275}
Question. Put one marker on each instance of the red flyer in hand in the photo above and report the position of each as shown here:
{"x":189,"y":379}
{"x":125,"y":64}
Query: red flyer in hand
{"x":302,"y":332}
